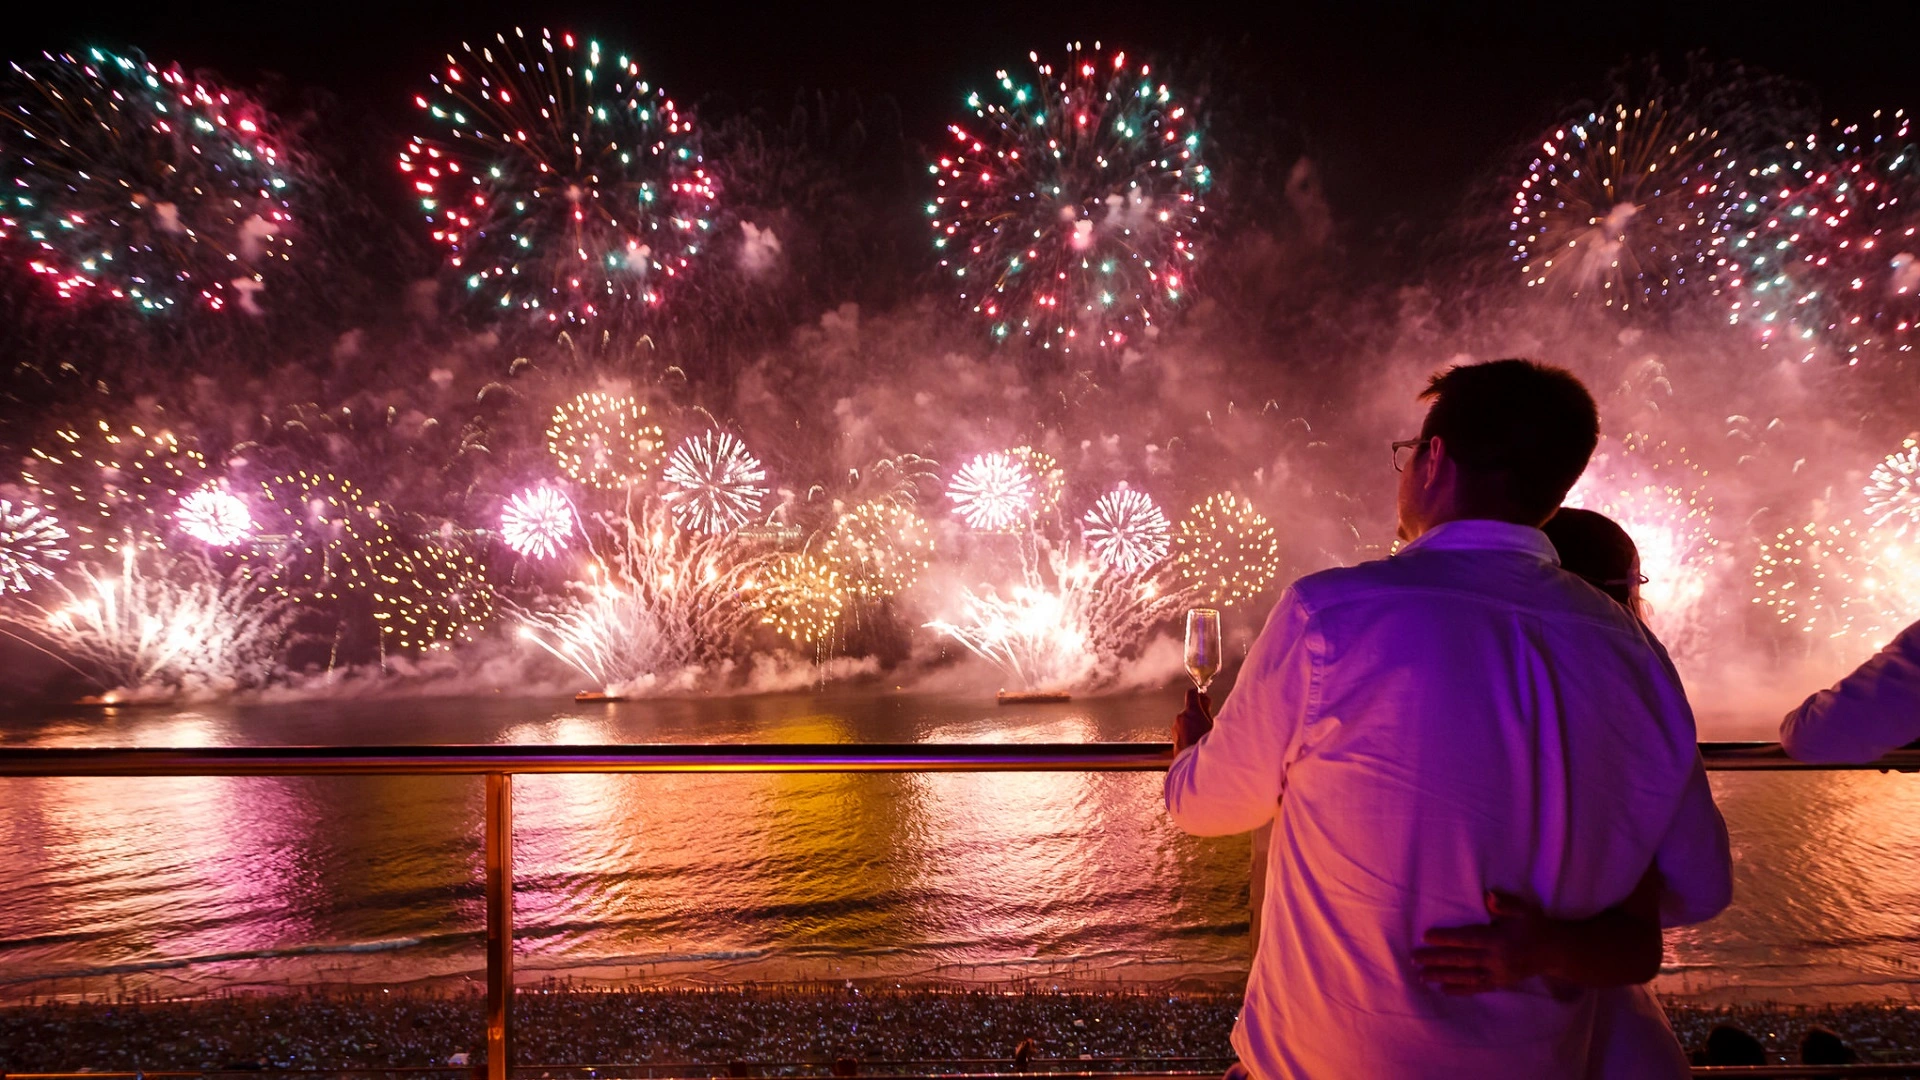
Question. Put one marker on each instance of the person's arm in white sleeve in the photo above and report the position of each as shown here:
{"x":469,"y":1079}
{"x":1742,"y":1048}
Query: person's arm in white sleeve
{"x":1695,"y":859}
{"x":1871,"y":711}
{"x":1230,"y":780}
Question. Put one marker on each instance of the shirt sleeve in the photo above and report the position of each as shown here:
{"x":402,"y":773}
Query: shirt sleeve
{"x":1864,"y":715}
{"x":1230,"y":781}
{"x":1695,"y":858}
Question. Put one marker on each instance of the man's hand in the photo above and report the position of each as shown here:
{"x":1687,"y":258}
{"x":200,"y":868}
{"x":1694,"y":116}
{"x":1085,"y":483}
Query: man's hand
{"x":1516,"y":946}
{"x":1193,"y":721}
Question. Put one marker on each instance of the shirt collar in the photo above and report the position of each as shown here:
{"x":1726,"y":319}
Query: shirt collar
{"x":1481,"y":534}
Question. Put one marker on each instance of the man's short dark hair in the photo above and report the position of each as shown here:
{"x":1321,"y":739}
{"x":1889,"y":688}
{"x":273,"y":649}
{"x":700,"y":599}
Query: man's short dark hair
{"x":1521,"y":433}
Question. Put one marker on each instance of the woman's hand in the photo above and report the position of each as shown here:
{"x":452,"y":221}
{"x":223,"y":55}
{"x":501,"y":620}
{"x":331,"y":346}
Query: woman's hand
{"x":1516,"y":946}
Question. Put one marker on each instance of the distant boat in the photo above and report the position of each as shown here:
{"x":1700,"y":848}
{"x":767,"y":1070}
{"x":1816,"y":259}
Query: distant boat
{"x":1032,"y":697}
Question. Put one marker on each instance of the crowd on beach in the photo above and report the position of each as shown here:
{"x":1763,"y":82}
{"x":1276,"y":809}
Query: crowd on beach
{"x":794,"y":1030}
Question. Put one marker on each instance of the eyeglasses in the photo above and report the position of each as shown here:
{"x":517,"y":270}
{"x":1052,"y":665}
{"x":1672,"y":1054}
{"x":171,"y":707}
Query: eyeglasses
{"x":1635,"y":580}
{"x":1400,"y":460}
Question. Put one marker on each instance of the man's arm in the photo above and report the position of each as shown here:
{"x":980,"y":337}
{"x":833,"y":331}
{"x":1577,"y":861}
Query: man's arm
{"x":1695,"y":858}
{"x":1229,"y":781}
{"x":1871,"y":711}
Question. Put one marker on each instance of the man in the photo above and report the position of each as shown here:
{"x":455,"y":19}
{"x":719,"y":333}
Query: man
{"x":1458,"y":720}
{"x":1871,"y":711}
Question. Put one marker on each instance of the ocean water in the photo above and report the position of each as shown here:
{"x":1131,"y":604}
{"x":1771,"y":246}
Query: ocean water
{"x":191,"y":885}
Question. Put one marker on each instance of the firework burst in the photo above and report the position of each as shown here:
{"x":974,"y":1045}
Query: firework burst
{"x":128,"y":180}
{"x":662,"y":606}
{"x":801,"y":596}
{"x":537,"y":523}
{"x":1661,"y":498}
{"x":564,"y":184}
{"x":30,"y":539}
{"x":1066,"y":210}
{"x":215,"y":516}
{"x":993,"y":493}
{"x":1893,"y":490}
{"x":1067,"y":624}
{"x":1621,"y":208}
{"x":1126,"y":530}
{"x":715,"y":483}
{"x":1049,"y":481}
{"x":1224,"y":551}
{"x":1828,"y":241}
{"x":331,"y":538}
{"x":1856,"y":586}
{"x":879,"y":549}
{"x":163,"y":624}
{"x":432,"y":598}
{"x":604,"y":440}
{"x":115,"y":485}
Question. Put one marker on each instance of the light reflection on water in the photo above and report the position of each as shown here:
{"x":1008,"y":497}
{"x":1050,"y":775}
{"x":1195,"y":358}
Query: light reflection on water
{"x":189,"y":884}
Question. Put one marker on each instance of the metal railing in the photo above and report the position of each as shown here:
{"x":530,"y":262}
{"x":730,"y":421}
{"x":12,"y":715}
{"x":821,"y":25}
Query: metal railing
{"x":499,"y":763}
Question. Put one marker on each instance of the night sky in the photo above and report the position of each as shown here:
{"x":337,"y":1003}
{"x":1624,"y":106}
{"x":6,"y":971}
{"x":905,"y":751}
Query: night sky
{"x":1402,"y":108}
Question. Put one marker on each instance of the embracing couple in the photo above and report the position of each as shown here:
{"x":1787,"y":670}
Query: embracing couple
{"x":1481,"y":775}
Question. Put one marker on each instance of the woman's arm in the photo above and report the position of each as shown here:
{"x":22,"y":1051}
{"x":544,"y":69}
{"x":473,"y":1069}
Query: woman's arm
{"x":1618,"y":947}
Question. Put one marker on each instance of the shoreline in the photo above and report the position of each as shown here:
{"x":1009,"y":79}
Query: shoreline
{"x":773,"y":1029}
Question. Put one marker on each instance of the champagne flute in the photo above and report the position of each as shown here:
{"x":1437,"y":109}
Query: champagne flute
{"x":1203,"y":646}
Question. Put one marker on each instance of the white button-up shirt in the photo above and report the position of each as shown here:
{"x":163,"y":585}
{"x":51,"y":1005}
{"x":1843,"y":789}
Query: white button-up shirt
{"x":1461,"y":717}
{"x":1864,"y":715}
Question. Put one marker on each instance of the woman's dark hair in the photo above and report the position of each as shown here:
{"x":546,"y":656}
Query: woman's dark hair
{"x":1521,"y":429}
{"x":1596,"y":549}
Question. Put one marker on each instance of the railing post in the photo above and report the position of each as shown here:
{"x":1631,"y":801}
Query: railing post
{"x":499,"y":925}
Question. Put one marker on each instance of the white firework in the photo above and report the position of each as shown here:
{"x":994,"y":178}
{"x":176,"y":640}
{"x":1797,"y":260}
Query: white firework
{"x":661,"y":607}
{"x":993,"y":492}
{"x":537,"y":522}
{"x":29,"y":539}
{"x":1066,"y":624}
{"x":163,"y":624}
{"x":1893,"y":490}
{"x":1126,"y":530}
{"x":715,"y":483}
{"x":214,"y":516}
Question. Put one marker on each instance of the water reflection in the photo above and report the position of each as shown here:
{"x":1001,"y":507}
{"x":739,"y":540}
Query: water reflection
{"x":193,"y":883}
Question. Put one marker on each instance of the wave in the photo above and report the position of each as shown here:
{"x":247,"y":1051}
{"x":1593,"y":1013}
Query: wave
{"x":175,"y":962}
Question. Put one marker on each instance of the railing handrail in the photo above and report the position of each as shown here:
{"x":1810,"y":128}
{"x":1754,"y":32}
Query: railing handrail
{"x":479,"y":759}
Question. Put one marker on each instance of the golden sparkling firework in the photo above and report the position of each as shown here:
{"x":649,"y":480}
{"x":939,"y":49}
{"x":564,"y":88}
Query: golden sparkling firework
{"x":1224,"y":551}
{"x":800,"y":595}
{"x":1049,"y":482}
{"x":1839,"y":581}
{"x":879,"y":549}
{"x":109,"y":485}
{"x":433,"y":598}
{"x":333,"y":538}
{"x":605,"y":440}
